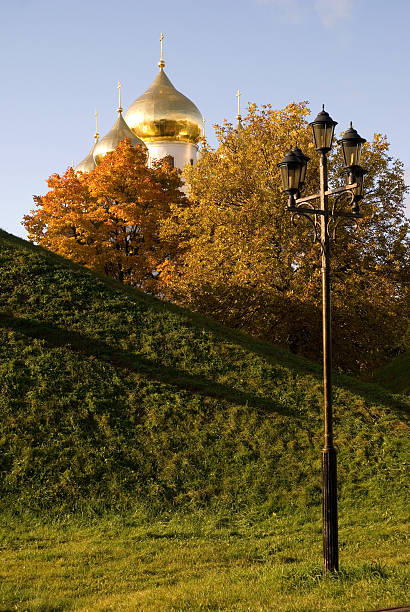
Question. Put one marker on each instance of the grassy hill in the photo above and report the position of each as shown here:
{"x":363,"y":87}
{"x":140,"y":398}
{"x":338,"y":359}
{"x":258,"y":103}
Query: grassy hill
{"x":112,"y":399}
{"x":395,"y":375}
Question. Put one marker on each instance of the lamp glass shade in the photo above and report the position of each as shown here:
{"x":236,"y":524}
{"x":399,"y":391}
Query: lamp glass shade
{"x":323,"y":135}
{"x":323,"y":128}
{"x":294,"y":174}
{"x":351,"y":146}
{"x":351,"y":152}
{"x":304,"y":160}
{"x":359,"y":188}
{"x":284,"y":177}
{"x":291,"y":170}
{"x":303,"y":173}
{"x":291,"y":178}
{"x":355,"y":174}
{"x":359,"y":179}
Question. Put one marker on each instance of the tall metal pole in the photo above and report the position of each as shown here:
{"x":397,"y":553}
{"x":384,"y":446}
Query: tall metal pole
{"x":293,"y":168}
{"x":329,"y":474}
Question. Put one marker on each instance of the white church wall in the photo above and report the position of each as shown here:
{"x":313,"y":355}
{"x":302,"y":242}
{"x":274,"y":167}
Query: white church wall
{"x":182,"y":152}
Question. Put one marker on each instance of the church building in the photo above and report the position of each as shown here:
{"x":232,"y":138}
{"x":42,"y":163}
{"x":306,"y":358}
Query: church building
{"x":165,"y":121}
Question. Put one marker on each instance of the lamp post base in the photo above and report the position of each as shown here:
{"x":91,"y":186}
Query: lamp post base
{"x":329,"y":511}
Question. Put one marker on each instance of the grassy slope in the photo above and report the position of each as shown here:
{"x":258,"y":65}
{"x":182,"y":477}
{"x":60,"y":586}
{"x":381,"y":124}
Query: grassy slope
{"x":112,"y":398}
{"x":395,"y":375}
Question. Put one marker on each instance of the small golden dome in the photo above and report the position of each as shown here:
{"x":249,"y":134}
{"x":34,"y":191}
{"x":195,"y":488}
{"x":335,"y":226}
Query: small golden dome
{"x":88,"y":162}
{"x":118,"y":132}
{"x":163,"y":113}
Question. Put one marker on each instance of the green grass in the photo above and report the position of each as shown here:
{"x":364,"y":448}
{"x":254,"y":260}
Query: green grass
{"x":112,"y":398}
{"x":202,"y":561}
{"x":156,"y":460}
{"x":395,"y":375}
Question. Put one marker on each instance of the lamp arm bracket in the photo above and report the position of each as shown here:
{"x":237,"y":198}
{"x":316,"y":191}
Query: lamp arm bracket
{"x":304,"y":207}
{"x":329,"y":192}
{"x":333,"y":224}
{"x":307,"y":211}
{"x":317,"y":211}
{"x":348,"y":215}
{"x":335,"y":216}
{"x":312,"y":219}
{"x":315,"y":196}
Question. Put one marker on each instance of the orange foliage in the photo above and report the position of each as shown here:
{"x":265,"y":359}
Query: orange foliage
{"x":108,"y":219}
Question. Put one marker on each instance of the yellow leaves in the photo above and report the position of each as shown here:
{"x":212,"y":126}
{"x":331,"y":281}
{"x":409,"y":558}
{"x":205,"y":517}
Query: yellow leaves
{"x":231,"y":251}
{"x":238,"y":258}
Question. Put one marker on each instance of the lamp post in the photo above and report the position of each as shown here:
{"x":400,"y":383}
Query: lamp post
{"x":293,"y":169}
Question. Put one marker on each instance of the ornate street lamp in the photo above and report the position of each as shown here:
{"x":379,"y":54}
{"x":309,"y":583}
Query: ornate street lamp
{"x":355,"y":174}
{"x":291,"y":169}
{"x":322,"y":218}
{"x":323,"y":130}
{"x":351,"y":146}
{"x":352,"y":149}
{"x":304,"y":161}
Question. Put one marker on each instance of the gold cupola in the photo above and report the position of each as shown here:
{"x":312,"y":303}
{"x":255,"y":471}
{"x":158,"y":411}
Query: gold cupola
{"x":118,"y":132}
{"x":88,"y":162}
{"x":164,"y":113}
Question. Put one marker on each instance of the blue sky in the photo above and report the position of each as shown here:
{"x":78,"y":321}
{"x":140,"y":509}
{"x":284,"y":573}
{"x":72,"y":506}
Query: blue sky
{"x":62,"y":60}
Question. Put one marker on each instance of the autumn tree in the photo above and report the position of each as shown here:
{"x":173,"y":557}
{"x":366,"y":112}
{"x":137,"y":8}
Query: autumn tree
{"x":108,"y":219}
{"x":237,"y":257}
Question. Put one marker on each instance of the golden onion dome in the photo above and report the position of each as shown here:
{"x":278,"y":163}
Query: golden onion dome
{"x":118,"y":132}
{"x":164,"y":113}
{"x":88,"y":162}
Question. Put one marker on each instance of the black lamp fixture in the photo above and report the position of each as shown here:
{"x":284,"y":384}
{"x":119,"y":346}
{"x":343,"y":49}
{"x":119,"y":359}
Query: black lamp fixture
{"x":355,"y":175}
{"x":304,"y":160}
{"x":352,"y":149}
{"x":351,"y":146}
{"x":323,"y":128}
{"x":291,"y":168}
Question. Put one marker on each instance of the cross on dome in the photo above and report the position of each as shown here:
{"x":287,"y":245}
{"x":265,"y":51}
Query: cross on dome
{"x":161,"y":62}
{"x":96,"y":135}
{"x":238,"y":95}
{"x":119,"y":98}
